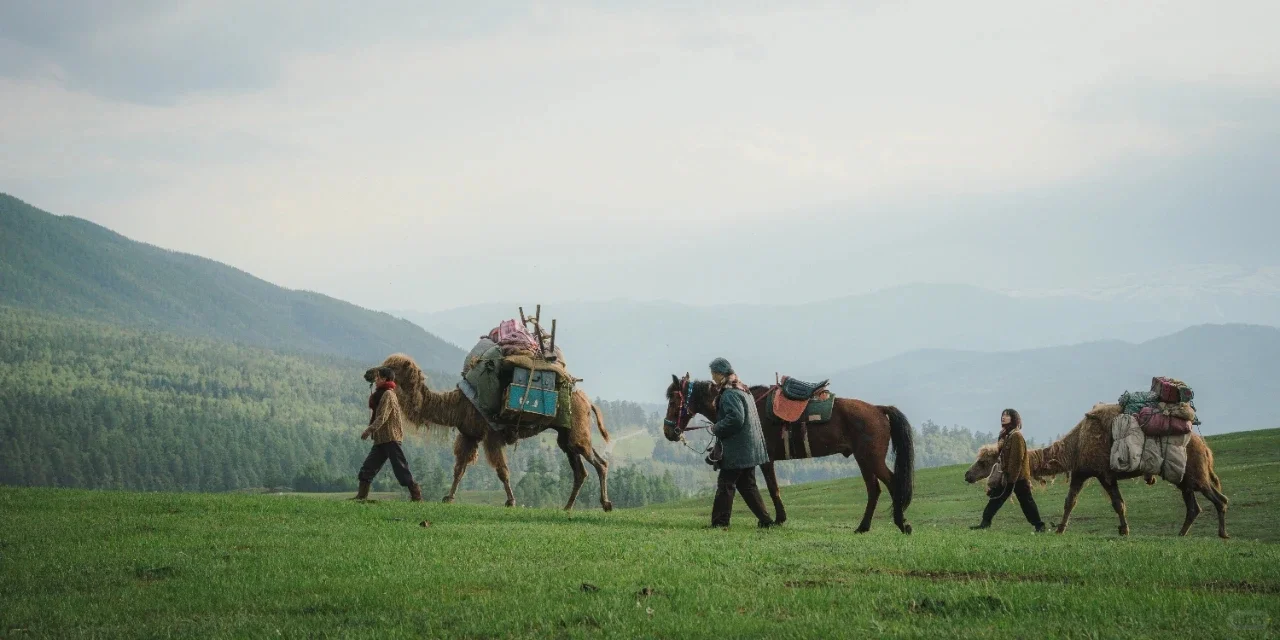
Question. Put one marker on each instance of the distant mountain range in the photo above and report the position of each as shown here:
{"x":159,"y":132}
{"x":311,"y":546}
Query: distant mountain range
{"x":71,"y":267}
{"x":628,"y":349}
{"x":1234,"y":369}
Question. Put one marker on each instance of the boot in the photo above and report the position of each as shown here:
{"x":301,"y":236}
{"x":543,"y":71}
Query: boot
{"x":363,"y":492}
{"x":986,"y":524}
{"x":1040,"y":528}
{"x":415,"y":492}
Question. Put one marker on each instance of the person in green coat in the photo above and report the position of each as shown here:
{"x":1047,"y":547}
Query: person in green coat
{"x":742,"y":442}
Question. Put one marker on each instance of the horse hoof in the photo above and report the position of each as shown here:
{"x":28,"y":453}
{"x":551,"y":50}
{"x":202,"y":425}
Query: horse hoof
{"x":448,"y":500}
{"x":906,"y":528}
{"x":511,"y":503}
{"x":1224,"y":536}
{"x":862,"y":529}
{"x":1124,"y":531}
{"x":607,"y":506}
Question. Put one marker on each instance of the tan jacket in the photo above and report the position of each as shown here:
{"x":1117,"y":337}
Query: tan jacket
{"x":1014,"y":462}
{"x":388,"y":421}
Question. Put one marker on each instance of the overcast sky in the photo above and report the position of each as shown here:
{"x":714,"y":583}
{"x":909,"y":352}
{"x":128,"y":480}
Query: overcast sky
{"x":403,"y":156}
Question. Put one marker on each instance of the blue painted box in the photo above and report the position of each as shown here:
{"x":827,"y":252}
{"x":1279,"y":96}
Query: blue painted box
{"x":531,"y":394}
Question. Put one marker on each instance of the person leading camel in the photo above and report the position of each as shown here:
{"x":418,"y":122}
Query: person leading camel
{"x":1015,"y":473}
{"x":742,"y":441}
{"x":387,"y":430}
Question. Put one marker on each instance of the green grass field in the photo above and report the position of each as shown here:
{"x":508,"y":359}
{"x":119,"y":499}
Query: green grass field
{"x":102,"y":564}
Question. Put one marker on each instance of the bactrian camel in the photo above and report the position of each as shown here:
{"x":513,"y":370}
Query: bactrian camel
{"x":1085,"y":452}
{"x":427,"y":408}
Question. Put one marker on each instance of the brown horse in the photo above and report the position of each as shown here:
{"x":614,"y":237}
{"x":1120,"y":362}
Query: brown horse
{"x":864,"y":431}
{"x":1085,"y":452}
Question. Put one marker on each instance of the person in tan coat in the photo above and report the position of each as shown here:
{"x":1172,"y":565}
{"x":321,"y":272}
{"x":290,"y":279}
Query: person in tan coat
{"x":1015,"y":472}
{"x":386,"y":428}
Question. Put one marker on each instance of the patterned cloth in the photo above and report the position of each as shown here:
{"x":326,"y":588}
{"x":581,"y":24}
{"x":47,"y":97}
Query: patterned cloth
{"x":509,"y":333}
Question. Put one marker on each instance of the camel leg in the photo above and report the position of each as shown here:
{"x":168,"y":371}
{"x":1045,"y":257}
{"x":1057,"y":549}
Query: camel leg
{"x":602,"y":471}
{"x":1220,"y":503}
{"x":873,"y":495}
{"x":775,"y":494}
{"x":464,"y":453}
{"x":1073,"y":494}
{"x":575,"y":463}
{"x":1193,"y":510}
{"x":495,"y":452}
{"x":1117,"y":503}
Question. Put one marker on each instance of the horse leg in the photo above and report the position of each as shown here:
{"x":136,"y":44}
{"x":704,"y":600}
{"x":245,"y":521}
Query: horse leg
{"x":464,"y":453}
{"x":883,"y":474}
{"x":575,"y":463}
{"x":873,"y":495}
{"x":775,"y":494}
{"x":1220,"y":503}
{"x":1193,"y":509}
{"x":1117,"y":503}
{"x":899,"y":518}
{"x":495,"y":452}
{"x":602,"y":470}
{"x":1073,"y":494}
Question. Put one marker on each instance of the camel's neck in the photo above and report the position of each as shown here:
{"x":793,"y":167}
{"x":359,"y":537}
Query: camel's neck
{"x":427,"y":407}
{"x":1051,"y":460}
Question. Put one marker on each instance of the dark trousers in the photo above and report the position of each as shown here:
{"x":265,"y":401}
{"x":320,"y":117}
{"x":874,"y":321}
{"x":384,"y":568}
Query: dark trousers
{"x":740,"y":480}
{"x":1023,"y":490}
{"x":379,"y":454}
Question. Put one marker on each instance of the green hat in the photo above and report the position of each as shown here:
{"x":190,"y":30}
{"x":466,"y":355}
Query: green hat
{"x":721,"y":366}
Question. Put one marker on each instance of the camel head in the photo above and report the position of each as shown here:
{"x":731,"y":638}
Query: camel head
{"x":679,"y":407}
{"x":981,"y":467}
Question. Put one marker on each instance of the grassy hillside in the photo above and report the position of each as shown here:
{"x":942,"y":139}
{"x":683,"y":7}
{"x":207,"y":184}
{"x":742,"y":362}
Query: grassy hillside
{"x":1235,"y":370}
{"x":81,"y":564}
{"x":73,"y":267}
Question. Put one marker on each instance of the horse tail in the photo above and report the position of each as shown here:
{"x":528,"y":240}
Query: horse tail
{"x":904,"y":451}
{"x":599,"y":421}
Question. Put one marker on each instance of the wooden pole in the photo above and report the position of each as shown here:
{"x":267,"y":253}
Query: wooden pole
{"x":553,"y":339}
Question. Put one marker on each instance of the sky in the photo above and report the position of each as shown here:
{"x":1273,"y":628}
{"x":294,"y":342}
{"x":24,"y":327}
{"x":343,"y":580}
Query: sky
{"x":427,"y":155}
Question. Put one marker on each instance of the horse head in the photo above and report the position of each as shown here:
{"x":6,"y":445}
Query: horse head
{"x":680,"y":407}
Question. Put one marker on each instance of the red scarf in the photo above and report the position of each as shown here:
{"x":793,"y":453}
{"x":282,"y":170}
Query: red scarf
{"x":376,"y":397}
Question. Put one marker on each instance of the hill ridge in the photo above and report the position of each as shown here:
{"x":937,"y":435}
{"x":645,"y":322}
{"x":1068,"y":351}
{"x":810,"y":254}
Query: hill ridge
{"x":74,"y":267}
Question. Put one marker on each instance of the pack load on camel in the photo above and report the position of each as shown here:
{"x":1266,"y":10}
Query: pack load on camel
{"x":516,"y":376}
{"x":1151,"y":433}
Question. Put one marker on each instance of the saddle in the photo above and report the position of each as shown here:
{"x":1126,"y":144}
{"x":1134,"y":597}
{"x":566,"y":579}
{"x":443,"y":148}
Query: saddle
{"x":794,"y":401}
{"x":795,"y":389}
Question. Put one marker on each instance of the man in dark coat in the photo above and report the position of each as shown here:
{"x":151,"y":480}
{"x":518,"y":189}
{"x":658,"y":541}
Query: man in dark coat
{"x":738,"y":428}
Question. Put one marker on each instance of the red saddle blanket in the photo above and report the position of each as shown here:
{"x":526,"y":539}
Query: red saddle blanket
{"x":788,"y":410}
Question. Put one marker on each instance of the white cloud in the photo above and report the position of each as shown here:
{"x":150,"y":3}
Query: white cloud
{"x":626,"y":122}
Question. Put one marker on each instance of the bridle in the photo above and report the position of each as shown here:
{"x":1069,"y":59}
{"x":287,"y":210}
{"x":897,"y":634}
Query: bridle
{"x":685,"y":395}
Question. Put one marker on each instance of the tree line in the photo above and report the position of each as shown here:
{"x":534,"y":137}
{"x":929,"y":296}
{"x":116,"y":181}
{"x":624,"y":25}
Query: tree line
{"x":98,"y":406}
